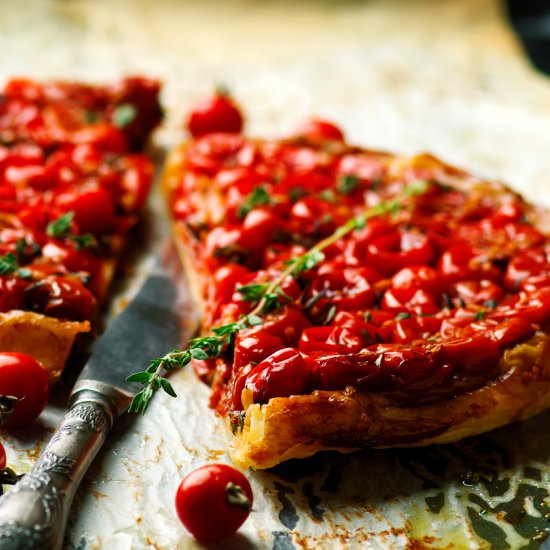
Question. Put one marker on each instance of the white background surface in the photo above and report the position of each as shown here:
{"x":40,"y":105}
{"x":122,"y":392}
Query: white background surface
{"x":443,"y":76}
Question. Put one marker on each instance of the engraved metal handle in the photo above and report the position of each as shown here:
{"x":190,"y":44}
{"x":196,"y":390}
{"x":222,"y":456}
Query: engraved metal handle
{"x":33,"y":514}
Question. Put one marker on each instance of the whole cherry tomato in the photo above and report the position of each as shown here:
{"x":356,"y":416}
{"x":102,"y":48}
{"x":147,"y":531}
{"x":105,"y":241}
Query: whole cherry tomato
{"x":23,"y":377}
{"x":218,"y":113}
{"x":320,"y":129}
{"x":213,"y":501}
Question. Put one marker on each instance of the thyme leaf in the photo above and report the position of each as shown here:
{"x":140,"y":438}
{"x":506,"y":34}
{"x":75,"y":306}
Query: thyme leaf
{"x":61,"y":228}
{"x":258,"y":197}
{"x":347,"y":184}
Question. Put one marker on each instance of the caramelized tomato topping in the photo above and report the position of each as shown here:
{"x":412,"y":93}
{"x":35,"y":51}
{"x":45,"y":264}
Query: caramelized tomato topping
{"x":417,"y":302}
{"x":64,"y":154}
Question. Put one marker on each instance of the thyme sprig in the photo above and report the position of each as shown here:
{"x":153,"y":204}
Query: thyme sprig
{"x":61,"y":228}
{"x":11,"y":264}
{"x":267,"y":296}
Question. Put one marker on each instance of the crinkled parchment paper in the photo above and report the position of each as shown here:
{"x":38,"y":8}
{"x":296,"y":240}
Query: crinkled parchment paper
{"x":443,"y":76}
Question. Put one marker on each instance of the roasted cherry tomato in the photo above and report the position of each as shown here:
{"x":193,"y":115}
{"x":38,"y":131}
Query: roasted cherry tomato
{"x":418,"y":276}
{"x":397,"y":249}
{"x":462,"y":262}
{"x":61,"y":297}
{"x":282,"y":374}
{"x":12,"y":289}
{"x":94,"y":210}
{"x":471,"y":355}
{"x":213,"y":501}
{"x":527,"y":266}
{"x":404,"y":300}
{"x":333,"y":339}
{"x":218,"y":113}
{"x":478,"y":292}
{"x":255,"y":347}
{"x":287,"y":324}
{"x":320,"y":129}
{"x":211,"y":153}
{"x":2,"y":457}
{"x":22,"y":377}
{"x":344,"y":287}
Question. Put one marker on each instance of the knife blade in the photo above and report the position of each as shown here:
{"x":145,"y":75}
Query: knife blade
{"x":33,"y":513}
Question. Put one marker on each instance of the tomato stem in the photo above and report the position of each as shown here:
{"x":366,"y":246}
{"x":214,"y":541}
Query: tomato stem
{"x":8,"y":477}
{"x":6,"y":407}
{"x":237,"y":497}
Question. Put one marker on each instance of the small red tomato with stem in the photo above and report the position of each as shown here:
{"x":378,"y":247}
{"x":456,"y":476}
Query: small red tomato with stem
{"x":213,"y":501}
{"x":23,"y":389}
{"x":218,"y":113}
{"x":318,"y":128}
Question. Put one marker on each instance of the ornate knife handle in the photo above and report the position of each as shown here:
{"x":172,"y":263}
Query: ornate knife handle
{"x":33,"y":514}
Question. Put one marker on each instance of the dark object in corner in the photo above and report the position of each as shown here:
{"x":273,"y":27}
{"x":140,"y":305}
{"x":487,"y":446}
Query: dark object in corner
{"x":531,"y":20}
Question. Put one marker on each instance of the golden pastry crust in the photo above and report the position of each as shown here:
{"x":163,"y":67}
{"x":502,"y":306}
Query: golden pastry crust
{"x":47,"y":339}
{"x":302,"y":425}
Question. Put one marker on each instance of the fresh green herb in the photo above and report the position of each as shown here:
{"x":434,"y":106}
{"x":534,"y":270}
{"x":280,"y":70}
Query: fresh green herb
{"x":202,"y":348}
{"x":266,"y":295}
{"x":416,"y":187}
{"x":480,"y":315}
{"x":347,"y":184}
{"x":124,"y":115}
{"x":25,"y":251}
{"x":91,"y":116}
{"x":260,"y":291}
{"x":367,"y":316}
{"x":252,"y":292}
{"x":447,"y":302}
{"x":8,"y":264}
{"x":314,"y":298}
{"x":61,"y":228}
{"x":366,"y":336}
{"x":328,"y":195}
{"x":258,"y":197}
{"x":87,"y":240}
{"x":295,"y":193}
{"x":254,"y":320}
{"x":330,"y":315}
{"x":403,"y":315}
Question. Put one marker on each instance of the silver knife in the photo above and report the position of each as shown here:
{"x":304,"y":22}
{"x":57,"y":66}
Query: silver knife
{"x":33,"y":514}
